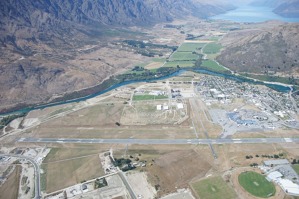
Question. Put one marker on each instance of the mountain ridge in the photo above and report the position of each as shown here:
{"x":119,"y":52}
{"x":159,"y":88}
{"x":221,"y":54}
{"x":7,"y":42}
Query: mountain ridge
{"x":40,"y":42}
{"x":262,"y":51}
{"x":285,"y":8}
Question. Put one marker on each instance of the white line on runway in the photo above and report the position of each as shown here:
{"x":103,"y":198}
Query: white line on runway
{"x":288,"y":139}
{"x":238,"y":142}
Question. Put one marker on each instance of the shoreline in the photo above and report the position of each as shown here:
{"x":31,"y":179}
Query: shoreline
{"x":113,"y":83}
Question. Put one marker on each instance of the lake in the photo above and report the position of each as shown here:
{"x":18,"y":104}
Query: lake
{"x":252,"y":14}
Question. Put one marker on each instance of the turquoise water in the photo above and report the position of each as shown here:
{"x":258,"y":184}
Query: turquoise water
{"x":276,"y":87}
{"x":252,"y":14}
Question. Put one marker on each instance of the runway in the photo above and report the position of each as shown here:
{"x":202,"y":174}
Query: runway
{"x":161,"y":141}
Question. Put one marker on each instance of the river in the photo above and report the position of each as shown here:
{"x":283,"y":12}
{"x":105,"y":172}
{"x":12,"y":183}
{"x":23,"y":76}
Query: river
{"x":241,"y":14}
{"x":277,"y":87}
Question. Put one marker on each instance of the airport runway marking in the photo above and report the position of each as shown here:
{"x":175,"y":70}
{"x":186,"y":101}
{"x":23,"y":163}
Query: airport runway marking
{"x":288,"y":140}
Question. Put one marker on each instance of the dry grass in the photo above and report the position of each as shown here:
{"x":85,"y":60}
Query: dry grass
{"x":10,"y":188}
{"x":233,"y":155}
{"x":274,"y":133}
{"x":143,"y":131}
{"x":153,"y":65}
{"x":176,"y":169}
{"x":66,"y":167}
{"x":202,"y":120}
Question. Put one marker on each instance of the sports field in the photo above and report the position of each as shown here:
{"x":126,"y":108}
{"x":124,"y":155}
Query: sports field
{"x":213,"y":188}
{"x":256,"y":184}
{"x":183,"y":56}
{"x":190,"y":47}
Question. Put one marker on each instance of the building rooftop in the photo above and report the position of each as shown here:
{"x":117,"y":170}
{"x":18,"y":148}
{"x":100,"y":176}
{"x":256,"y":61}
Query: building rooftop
{"x":276,"y":162}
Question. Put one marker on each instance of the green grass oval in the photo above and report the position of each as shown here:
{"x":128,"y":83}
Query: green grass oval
{"x":256,"y":184}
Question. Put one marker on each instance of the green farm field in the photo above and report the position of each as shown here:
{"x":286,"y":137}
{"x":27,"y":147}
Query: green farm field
{"x":212,"y":48}
{"x":213,"y":188}
{"x":179,"y":63}
{"x":148,"y":97}
{"x":256,"y":184}
{"x":190,"y":47}
{"x":184,"y":56}
{"x":296,"y":168}
{"x":212,"y":65}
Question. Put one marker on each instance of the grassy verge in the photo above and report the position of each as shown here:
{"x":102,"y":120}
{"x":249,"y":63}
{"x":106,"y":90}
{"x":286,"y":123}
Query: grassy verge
{"x":66,"y":167}
{"x":256,"y":184}
{"x":181,"y":64}
{"x":212,"y":65}
{"x":269,"y":78}
{"x":190,"y":47}
{"x":296,"y":168}
{"x":10,"y":188}
{"x":213,"y":188}
{"x":184,"y":56}
{"x":148,"y":97}
{"x":159,"y":60}
{"x":212,"y":48}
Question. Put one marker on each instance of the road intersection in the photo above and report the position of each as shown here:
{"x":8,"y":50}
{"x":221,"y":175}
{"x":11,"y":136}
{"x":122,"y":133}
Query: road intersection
{"x":36,"y":171}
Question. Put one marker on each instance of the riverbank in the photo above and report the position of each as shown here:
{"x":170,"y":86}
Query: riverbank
{"x":125,"y":79}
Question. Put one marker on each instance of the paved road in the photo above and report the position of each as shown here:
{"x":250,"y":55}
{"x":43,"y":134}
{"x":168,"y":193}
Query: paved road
{"x":124,"y":179}
{"x":36,"y":171}
{"x":160,"y":141}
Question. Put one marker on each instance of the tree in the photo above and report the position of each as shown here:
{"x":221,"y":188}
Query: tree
{"x":294,"y":161}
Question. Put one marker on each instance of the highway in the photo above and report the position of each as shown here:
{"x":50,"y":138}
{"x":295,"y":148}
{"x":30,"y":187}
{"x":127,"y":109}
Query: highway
{"x":36,"y":171}
{"x":161,"y":141}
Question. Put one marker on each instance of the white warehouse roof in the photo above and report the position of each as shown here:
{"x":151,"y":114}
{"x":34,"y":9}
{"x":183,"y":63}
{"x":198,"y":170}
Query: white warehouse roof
{"x":289,"y":187}
{"x":180,"y":105}
{"x":274,"y":176}
{"x":276,"y":162}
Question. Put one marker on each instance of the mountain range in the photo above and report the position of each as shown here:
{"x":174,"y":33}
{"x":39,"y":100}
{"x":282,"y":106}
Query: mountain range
{"x":285,"y":8}
{"x":268,"y":49}
{"x":41,"y":42}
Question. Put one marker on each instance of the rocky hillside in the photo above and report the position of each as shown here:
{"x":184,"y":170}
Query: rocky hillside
{"x":261,"y":51}
{"x":48,"y":48}
{"x":41,"y":20}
